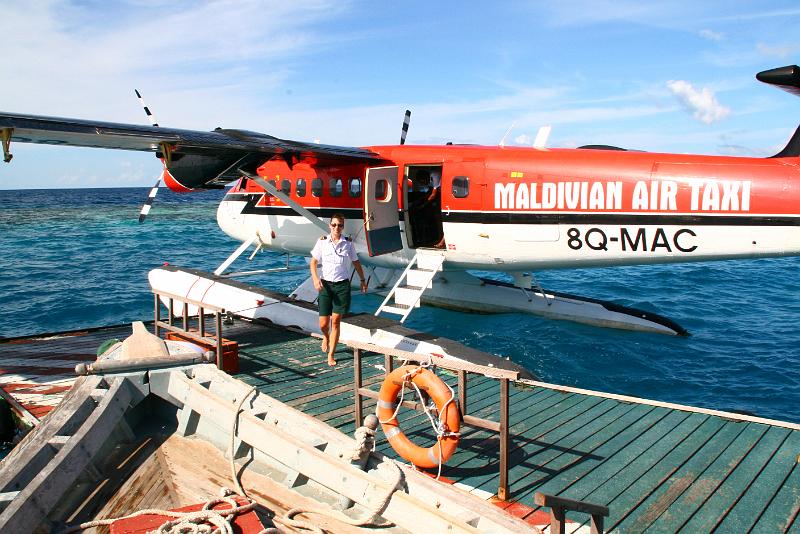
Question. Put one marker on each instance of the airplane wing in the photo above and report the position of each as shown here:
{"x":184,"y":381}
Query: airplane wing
{"x":196,"y":159}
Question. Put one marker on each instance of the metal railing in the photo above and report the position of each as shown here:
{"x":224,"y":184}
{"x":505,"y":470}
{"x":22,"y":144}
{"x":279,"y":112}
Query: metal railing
{"x":462,"y":369}
{"x":200,"y":335}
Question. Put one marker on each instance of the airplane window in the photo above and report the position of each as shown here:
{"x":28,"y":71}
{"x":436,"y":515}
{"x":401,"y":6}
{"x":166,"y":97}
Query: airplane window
{"x":355,"y":187}
{"x":335,"y":187}
{"x":316,"y":187}
{"x":286,"y":187}
{"x":382,"y":190}
{"x":460,"y":186}
{"x":300,"y":188}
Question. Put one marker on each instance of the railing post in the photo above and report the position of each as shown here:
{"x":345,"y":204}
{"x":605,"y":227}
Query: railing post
{"x":462,"y":391}
{"x":218,"y":327}
{"x":560,"y":505}
{"x":502,"y":490}
{"x":359,"y":409}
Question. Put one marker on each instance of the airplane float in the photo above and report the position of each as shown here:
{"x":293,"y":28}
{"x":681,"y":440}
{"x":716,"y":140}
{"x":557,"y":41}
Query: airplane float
{"x":421,"y":217}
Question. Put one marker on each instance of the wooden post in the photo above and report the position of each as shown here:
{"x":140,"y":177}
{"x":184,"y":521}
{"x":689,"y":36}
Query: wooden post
{"x":388,"y":363}
{"x":559,"y":506}
{"x":218,"y":327}
{"x":359,"y":409}
{"x":502,"y":491}
{"x":558,"y":520}
{"x":156,"y":313}
{"x":202,"y":322}
{"x":462,"y":391}
{"x":171,"y":311}
{"x":186,"y":316}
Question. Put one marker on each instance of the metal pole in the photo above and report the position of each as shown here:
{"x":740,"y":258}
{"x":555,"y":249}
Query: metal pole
{"x":186,"y":316}
{"x":171,"y":311}
{"x":502,"y":491}
{"x":202,"y":325}
{"x":359,"y":409}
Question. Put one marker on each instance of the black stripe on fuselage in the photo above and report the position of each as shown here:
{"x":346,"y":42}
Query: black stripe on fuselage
{"x":620,"y":219}
{"x":506,"y":217}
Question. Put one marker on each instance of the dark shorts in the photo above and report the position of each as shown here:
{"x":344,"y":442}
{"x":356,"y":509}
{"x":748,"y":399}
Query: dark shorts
{"x":334,"y":297}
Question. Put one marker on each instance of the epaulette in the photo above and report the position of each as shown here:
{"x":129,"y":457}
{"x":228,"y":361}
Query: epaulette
{"x":323,"y":238}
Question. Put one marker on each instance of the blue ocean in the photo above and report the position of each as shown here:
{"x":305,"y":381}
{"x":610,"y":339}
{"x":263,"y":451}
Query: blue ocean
{"x":78,"y":258}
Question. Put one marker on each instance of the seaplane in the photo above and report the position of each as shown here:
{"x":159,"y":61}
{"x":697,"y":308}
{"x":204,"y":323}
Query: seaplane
{"x":425,"y":218}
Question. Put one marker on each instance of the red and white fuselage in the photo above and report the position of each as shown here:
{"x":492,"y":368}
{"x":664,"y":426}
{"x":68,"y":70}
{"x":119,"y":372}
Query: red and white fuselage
{"x":519,"y":209}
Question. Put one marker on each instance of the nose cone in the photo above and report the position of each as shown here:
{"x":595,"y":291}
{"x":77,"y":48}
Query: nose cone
{"x":174,"y":184}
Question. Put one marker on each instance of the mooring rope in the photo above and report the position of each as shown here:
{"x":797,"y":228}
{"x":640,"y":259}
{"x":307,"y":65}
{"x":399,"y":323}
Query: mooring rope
{"x":186,"y":521}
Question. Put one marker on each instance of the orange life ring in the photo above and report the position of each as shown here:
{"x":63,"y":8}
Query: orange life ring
{"x":426,"y":381}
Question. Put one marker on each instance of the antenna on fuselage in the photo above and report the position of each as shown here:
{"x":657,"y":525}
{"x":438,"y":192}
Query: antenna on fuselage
{"x":406,"y":122}
{"x":154,"y":190}
{"x":503,"y":140}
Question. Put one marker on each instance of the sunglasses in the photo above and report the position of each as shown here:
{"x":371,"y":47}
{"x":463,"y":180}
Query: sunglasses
{"x":337,"y":225}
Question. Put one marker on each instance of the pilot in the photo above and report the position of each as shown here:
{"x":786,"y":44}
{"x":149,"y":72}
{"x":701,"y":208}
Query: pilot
{"x":337,"y":255}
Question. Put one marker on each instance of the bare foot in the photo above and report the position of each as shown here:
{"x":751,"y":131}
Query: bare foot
{"x":324,"y":347}
{"x":331,"y":360}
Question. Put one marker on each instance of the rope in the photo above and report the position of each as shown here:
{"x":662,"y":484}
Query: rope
{"x":186,"y":521}
{"x":234,"y":428}
{"x":368,"y":519}
{"x":365,"y":442}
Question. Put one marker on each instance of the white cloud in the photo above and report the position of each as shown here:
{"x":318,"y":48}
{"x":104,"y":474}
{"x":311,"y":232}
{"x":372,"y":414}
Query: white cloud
{"x":524,"y":139}
{"x":702,"y":104}
{"x":779,"y":51}
{"x":69,"y":58}
{"x":712,"y":35}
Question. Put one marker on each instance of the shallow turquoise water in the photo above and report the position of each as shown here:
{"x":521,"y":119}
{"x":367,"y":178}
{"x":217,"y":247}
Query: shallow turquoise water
{"x":78,"y":258}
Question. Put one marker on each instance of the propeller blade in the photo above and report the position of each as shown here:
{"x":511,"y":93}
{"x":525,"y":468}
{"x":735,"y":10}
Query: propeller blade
{"x":149,"y":202}
{"x":406,"y":120}
{"x":147,"y":112}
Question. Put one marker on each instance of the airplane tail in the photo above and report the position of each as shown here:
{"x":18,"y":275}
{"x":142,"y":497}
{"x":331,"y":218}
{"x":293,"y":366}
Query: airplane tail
{"x":788,"y":79}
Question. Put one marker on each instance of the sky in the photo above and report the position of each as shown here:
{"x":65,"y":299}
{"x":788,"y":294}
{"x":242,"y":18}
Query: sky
{"x":656,"y":76}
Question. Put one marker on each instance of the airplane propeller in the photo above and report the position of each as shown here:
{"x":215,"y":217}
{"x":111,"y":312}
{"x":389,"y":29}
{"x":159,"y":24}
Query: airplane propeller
{"x":406,"y":121}
{"x":149,"y":202}
{"x":154,"y":190}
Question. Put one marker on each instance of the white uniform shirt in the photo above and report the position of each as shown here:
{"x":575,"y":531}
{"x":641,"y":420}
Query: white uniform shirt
{"x":336,"y":258}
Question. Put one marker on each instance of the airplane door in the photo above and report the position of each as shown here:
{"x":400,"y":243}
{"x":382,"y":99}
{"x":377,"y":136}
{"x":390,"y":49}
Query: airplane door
{"x":381,"y":217}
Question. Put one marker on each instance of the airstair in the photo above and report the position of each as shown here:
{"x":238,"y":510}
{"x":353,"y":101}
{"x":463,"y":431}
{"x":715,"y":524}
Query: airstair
{"x":412,"y":283}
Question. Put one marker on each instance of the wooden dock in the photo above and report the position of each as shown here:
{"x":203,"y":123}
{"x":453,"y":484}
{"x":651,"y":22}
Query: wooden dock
{"x":656,"y":466}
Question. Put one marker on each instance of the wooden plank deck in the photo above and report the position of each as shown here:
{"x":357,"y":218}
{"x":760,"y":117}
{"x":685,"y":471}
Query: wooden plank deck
{"x":657,"y":467}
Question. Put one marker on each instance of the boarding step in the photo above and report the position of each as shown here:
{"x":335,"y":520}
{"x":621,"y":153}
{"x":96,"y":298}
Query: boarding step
{"x":412,"y":283}
{"x":398,"y":309}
